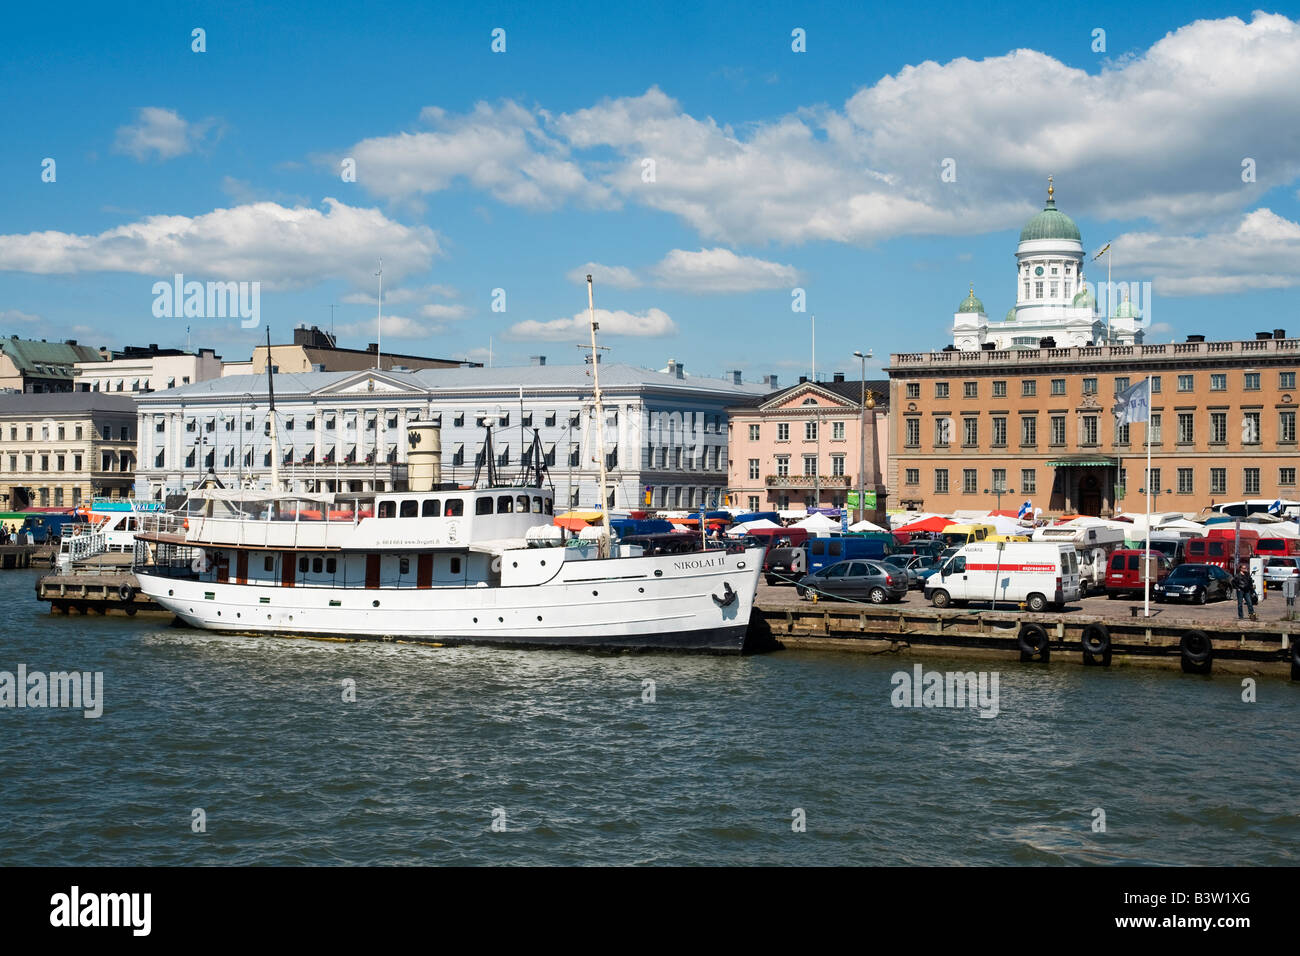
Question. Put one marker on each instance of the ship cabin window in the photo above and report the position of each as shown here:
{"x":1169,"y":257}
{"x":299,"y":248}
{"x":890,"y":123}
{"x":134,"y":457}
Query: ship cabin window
{"x":505,"y":505}
{"x":302,"y":565}
{"x":483,"y":506}
{"x":521,"y":504}
{"x":331,"y":565}
{"x":549,"y":505}
{"x":388,"y":509}
{"x":410,"y":508}
{"x":455,"y":508}
{"x":404,"y":566}
{"x":537,"y":504}
{"x":268,"y":564}
{"x":430,"y":509}
{"x":317,"y":565}
{"x":455,"y":565}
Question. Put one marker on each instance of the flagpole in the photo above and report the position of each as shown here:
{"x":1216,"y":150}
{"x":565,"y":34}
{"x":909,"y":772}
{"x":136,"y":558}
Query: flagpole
{"x":1146,"y":554}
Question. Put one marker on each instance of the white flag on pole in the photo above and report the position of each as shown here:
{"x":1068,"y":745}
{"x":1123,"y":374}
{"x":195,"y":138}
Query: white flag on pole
{"x":1134,"y":404}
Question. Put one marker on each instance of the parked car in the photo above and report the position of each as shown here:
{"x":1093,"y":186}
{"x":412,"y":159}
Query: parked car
{"x":1195,"y":583}
{"x":863,"y":580}
{"x":1124,"y":573}
{"x":1277,"y":570}
{"x":912,"y":565}
{"x":930,"y":546}
{"x":785,"y":565}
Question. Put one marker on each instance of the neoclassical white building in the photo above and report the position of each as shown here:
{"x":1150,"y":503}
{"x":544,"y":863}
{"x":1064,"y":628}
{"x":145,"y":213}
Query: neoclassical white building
{"x":1053,"y":300}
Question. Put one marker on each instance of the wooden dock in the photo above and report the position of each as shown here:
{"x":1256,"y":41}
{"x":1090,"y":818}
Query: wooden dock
{"x":109,"y":591}
{"x":1232,"y":646}
{"x":13,"y":556}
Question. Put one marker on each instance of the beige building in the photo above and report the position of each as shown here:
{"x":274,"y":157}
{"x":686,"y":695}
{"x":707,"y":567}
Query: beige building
{"x":1038,"y":423}
{"x":140,"y":369}
{"x":62,"y":449}
{"x":314,"y":350}
{"x":31,"y":365}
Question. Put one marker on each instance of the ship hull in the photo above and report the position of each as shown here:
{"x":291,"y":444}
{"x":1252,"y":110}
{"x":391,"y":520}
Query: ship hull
{"x":692,"y":602}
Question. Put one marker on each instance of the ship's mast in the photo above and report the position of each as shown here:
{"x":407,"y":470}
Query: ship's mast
{"x":275,"y":438}
{"x":606,"y":540}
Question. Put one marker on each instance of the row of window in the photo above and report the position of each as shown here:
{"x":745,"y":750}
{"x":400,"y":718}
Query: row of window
{"x":713,"y":458}
{"x":330,"y":421}
{"x":109,"y":461}
{"x":455,"y":507}
{"x":838,"y":431}
{"x":43,"y":497}
{"x":1249,"y":429}
{"x":1251,"y":382}
{"x":1184,"y":480}
{"x":120,"y":385}
{"x":783,"y":466}
{"x":49,"y":432}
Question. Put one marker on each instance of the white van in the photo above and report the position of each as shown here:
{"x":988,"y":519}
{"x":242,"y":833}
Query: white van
{"x":1094,"y":546}
{"x":1038,"y":573}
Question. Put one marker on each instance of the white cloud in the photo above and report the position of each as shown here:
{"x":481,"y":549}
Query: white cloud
{"x":721,"y":270}
{"x":1160,"y":133}
{"x":162,"y":133}
{"x":279,"y":246}
{"x":395,"y":326}
{"x":503,"y":150}
{"x":402,"y":296}
{"x":1262,"y":251}
{"x":616,"y":277}
{"x":11,"y":316}
{"x":439,"y":310}
{"x":653,"y":323}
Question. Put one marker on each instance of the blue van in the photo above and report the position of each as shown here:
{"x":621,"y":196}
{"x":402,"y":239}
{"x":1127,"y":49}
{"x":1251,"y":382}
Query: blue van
{"x":826,"y":551}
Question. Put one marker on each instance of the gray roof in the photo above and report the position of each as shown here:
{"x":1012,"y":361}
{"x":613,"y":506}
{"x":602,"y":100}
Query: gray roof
{"x":463,"y":379}
{"x":847,"y":390}
{"x":56,"y":403}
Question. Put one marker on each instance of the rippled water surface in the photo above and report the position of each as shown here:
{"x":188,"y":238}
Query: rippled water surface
{"x":255,"y":732}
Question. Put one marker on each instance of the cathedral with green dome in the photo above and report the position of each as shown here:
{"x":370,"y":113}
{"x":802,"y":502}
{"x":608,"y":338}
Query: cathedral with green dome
{"x":1053,"y":300}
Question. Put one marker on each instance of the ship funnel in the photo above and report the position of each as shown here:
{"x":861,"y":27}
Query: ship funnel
{"x":423,"y":456}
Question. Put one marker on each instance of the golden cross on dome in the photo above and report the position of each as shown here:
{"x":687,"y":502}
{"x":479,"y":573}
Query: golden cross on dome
{"x":972,"y":290}
{"x":1050,"y":188}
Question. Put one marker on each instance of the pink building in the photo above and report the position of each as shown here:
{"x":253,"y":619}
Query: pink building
{"x":802,"y":447}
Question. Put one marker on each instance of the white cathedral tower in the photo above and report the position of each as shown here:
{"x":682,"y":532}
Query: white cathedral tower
{"x":1052,"y":300}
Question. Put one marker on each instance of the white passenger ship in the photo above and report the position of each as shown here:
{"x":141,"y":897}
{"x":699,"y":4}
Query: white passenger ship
{"x":439,"y":563}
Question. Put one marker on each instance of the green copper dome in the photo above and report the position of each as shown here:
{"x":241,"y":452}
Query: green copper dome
{"x":1011,"y":314}
{"x":970,"y":303}
{"x":1083,"y":300}
{"x":1126,"y":311}
{"x":1050,"y":223}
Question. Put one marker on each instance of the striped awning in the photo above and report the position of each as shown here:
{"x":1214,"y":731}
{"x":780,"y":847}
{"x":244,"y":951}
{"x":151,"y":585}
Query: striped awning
{"x":1083,"y":461}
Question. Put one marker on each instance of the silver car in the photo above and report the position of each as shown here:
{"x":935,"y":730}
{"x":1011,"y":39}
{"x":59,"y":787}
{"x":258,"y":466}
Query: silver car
{"x":864,"y":580}
{"x":915,"y":565}
{"x":1277,"y":570}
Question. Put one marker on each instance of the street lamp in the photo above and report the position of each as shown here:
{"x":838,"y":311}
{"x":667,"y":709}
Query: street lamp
{"x":1146,"y":551}
{"x":866,"y":402}
{"x":1000,"y":490}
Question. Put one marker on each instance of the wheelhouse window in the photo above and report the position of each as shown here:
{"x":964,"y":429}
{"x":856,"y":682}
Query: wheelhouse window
{"x":521,"y":504}
{"x":410,"y":508}
{"x":454,"y":508}
{"x":388,"y":509}
{"x":483,"y":506}
{"x":505,"y":505}
{"x":430,"y":508}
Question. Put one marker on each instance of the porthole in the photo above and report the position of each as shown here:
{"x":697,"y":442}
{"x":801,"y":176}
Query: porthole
{"x":501,"y":620}
{"x":475,"y":620}
{"x":543,"y":562}
{"x":374,"y":604}
{"x":658,"y":573}
{"x":170,"y":593}
{"x":514,"y":564}
{"x":594,"y":593}
{"x":641,"y":590}
{"x":741,"y":565}
{"x":539,"y":617}
{"x":237,"y":614}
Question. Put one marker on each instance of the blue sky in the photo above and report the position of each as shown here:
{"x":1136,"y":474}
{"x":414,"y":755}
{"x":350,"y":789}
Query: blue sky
{"x":774,"y":170}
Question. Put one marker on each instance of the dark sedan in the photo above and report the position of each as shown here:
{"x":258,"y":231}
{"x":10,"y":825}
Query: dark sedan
{"x":1194,"y":583}
{"x":862,"y":580}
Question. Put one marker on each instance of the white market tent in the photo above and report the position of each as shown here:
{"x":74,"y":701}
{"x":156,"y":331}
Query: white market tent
{"x":740,"y":530}
{"x":818,"y":522}
{"x":865,"y":525}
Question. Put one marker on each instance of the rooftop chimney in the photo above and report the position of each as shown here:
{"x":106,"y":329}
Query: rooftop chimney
{"x":839,"y":376}
{"x":1196,"y":338}
{"x":735,"y":377}
{"x":675,"y":368}
{"x":1279,"y":333}
{"x":802,"y":379}
{"x":537,"y":359}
